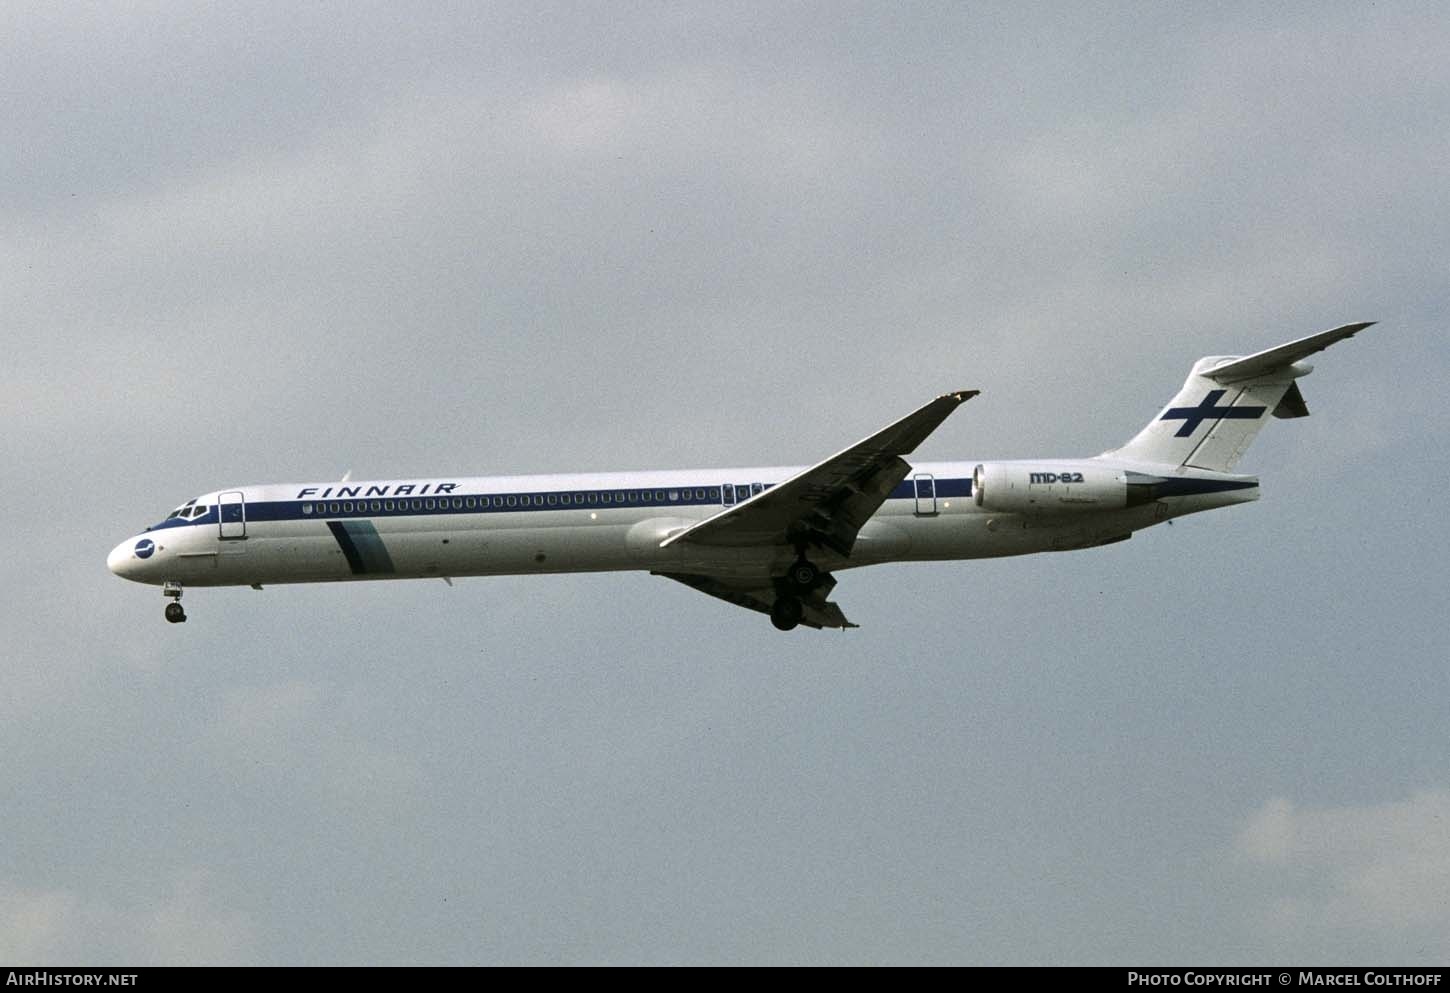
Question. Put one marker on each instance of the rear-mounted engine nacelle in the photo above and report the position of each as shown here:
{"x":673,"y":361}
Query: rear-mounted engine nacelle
{"x":1048,"y":489}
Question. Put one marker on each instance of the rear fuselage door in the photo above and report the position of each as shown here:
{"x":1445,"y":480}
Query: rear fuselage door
{"x":925,"y":495}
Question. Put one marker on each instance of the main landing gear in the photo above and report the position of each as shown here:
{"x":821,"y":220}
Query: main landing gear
{"x":174,"y":613}
{"x":786,"y":612}
{"x":800,"y":579}
{"x":803,"y":575}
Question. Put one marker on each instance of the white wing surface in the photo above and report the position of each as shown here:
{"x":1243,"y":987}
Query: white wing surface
{"x":826,"y":505}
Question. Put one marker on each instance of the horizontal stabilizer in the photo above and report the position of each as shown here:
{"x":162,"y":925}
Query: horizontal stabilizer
{"x":1271,"y":359}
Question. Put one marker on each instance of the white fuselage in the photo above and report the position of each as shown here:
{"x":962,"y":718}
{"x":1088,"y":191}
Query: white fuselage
{"x":765,"y":539}
{"x":452,"y":526}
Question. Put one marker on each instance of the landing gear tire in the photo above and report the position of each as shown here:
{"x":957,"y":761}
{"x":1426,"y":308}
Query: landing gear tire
{"x":786,"y":613}
{"x":804,"y":575}
{"x":174,"y":613}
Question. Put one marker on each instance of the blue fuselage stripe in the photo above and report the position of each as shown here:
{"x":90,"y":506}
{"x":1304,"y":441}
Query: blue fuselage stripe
{"x":516,"y":503}
{"x":511,"y":503}
{"x":349,"y":550}
{"x":362,"y":546}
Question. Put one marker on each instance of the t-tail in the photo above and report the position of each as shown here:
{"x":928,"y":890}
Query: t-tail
{"x":1226,"y":400}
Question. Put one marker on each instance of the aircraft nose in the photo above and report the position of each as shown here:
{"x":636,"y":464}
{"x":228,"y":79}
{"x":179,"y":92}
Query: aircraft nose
{"x":127,"y":558}
{"x":119,"y":558}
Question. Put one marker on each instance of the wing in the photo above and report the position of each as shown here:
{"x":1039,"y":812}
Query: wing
{"x":826,"y":505}
{"x":818,"y":612}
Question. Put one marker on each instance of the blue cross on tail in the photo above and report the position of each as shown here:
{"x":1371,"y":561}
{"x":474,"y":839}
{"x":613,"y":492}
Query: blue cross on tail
{"x":1192,"y":417}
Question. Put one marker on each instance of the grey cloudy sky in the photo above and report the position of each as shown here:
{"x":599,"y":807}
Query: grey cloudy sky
{"x":282,"y":241}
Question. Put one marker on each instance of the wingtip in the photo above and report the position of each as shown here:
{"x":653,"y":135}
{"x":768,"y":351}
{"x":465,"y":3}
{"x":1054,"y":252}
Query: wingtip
{"x":960,"y":396}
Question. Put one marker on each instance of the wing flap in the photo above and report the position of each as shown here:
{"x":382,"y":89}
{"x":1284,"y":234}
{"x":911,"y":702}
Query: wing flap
{"x":818,"y":612}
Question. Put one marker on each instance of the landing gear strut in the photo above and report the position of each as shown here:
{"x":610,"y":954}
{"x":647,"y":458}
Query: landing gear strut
{"x":174,"y":613}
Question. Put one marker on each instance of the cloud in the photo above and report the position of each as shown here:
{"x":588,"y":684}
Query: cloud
{"x":184,"y":926}
{"x":1382,"y":868}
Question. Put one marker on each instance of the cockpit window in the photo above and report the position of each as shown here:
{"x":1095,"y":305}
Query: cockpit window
{"x":187,"y":511}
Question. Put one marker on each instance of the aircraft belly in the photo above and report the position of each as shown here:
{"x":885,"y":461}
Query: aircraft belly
{"x":988,"y":535}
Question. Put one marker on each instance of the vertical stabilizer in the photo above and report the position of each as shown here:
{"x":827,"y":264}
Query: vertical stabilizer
{"x":1224,"y":403}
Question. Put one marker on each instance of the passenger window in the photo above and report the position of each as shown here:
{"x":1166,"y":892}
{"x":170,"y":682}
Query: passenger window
{"x":307,"y":508}
{"x":388,"y":505}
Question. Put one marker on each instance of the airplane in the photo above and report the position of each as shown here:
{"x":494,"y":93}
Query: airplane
{"x":768,"y":539}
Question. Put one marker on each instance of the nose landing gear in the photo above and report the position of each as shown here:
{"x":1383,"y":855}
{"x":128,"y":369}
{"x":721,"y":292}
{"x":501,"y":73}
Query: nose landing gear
{"x":174,"y":613}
